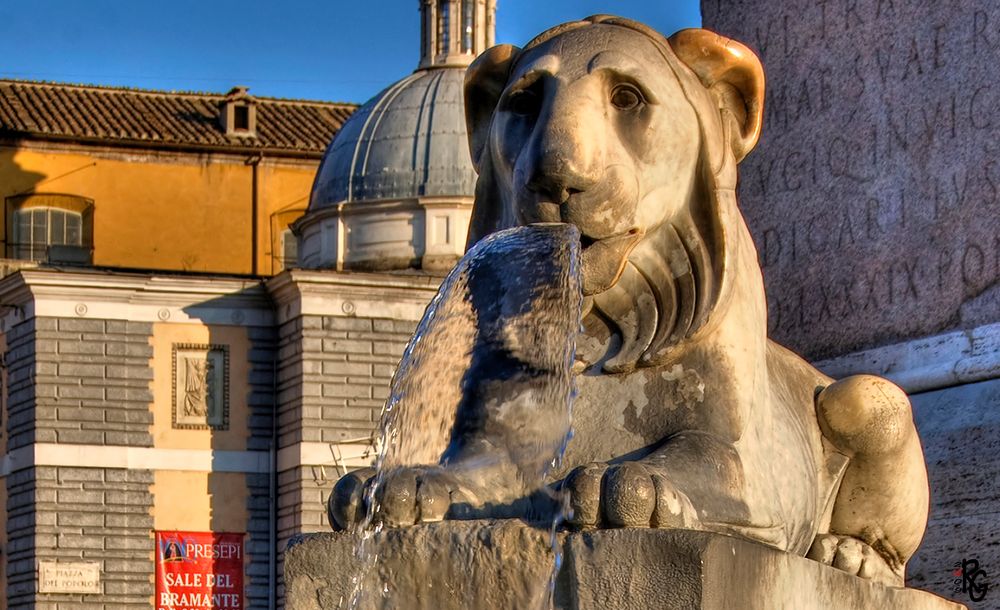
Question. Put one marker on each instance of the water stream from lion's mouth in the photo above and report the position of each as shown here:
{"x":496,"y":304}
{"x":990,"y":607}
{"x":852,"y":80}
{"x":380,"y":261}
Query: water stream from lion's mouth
{"x":516,"y":293}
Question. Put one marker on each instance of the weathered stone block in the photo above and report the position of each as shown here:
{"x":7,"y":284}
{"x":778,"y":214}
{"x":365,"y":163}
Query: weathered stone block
{"x":342,"y":390}
{"x":389,"y":348}
{"x":88,"y":392}
{"x":139,"y":350}
{"x":347,"y":368}
{"x":68,"y":475}
{"x":80,"y":347}
{"x":80,"y":437}
{"x":348,"y":346}
{"x":341,"y":323}
{"x":80,"y":325}
{"x":79,"y":414}
{"x":507,"y":564}
{"x":76,"y":519}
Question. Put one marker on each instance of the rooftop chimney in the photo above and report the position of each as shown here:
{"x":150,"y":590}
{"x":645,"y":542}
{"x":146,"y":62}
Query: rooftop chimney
{"x":239,"y":113}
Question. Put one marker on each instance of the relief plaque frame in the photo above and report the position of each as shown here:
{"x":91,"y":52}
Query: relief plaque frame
{"x":199,"y":386}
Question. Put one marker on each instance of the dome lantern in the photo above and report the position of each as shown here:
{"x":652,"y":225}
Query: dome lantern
{"x":454,"y":32}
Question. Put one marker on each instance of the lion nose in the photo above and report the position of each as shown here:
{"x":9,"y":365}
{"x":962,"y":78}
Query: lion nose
{"x":560,"y":161}
{"x":555,"y":179}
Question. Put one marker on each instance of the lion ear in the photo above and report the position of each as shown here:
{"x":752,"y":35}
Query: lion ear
{"x":484,"y":83}
{"x":733,"y":74}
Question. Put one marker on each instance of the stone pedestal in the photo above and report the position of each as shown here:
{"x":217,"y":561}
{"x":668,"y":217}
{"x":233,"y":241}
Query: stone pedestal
{"x":480,"y":564}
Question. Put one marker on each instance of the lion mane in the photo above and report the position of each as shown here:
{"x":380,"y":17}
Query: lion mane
{"x":678,"y":274}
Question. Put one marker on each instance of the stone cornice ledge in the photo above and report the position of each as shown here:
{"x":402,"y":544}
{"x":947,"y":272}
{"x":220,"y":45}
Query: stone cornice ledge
{"x":139,"y":297}
{"x":928,"y":363}
{"x":146,"y":458}
{"x":348,"y":294}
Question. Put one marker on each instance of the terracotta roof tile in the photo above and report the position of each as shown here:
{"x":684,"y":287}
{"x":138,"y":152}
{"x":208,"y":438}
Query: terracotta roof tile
{"x":60,"y":111}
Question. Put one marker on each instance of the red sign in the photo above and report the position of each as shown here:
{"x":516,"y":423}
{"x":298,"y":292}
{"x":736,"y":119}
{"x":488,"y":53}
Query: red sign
{"x":199,"y":571}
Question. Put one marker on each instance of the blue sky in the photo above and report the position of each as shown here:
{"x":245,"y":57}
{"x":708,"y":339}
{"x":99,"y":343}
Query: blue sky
{"x":342,"y":50}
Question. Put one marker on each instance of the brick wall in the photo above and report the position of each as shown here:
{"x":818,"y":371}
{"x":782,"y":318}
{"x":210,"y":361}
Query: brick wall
{"x":92,"y":382}
{"x":20,"y":361}
{"x":80,"y":381}
{"x":103,"y":515}
{"x":81,"y":514}
{"x":263,"y":348}
{"x":333,"y":379}
{"x":334,"y":375}
{"x":20,"y":485}
{"x":302,"y":494}
{"x":20,"y":551}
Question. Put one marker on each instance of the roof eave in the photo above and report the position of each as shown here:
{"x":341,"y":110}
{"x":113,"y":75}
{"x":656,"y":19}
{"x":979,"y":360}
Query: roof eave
{"x":14,"y":136}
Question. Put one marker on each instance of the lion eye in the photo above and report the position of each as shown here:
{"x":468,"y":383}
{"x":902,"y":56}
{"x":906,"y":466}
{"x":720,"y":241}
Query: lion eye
{"x":524,"y":103}
{"x":625,"y":97}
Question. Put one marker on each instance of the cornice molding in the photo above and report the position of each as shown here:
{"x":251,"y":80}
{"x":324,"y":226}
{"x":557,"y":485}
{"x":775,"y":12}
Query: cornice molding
{"x":136,"y":458}
{"x":152,"y":297}
{"x":927,"y":363}
{"x":347,"y":294}
{"x":340,"y":456}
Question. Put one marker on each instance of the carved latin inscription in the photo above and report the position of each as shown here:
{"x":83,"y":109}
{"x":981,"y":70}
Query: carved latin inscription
{"x":200,"y":386}
{"x":874,"y":196}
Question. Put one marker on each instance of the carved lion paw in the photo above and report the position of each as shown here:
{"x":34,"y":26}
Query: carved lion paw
{"x":405,"y":496}
{"x":854,"y":557}
{"x":345,"y":508}
{"x":630,"y":494}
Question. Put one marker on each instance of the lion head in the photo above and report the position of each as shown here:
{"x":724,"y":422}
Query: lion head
{"x":607,"y":125}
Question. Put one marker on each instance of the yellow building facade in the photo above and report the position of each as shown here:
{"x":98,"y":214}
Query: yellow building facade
{"x":161,"y":181}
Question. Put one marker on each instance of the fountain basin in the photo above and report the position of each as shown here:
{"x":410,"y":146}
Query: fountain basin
{"x":506,"y":564}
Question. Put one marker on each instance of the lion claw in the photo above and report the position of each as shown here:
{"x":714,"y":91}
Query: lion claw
{"x":405,"y":496}
{"x":853,"y":556}
{"x":630,"y":494}
{"x":584,"y":486}
{"x":346,"y":506}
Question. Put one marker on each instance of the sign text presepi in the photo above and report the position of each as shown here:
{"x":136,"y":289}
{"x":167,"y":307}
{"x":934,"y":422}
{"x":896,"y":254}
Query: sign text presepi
{"x":199,"y":571}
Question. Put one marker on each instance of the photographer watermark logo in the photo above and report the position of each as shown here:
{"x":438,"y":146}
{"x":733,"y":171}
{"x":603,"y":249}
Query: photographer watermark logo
{"x":970,"y":579}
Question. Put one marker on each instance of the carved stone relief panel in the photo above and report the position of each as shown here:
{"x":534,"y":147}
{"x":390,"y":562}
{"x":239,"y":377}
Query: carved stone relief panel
{"x":200,"y":386}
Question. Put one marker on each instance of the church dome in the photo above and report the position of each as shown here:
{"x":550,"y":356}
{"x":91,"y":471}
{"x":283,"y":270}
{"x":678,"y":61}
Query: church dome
{"x":408,"y":141}
{"x":395,"y":187}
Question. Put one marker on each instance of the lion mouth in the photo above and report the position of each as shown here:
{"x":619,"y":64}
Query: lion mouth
{"x":603,"y":260}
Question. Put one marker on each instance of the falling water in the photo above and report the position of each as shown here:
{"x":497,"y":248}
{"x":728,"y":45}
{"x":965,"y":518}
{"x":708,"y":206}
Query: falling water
{"x":495,"y":344}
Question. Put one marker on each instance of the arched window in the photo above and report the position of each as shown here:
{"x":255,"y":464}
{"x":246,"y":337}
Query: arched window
{"x":284,"y":243}
{"x":289,"y":249}
{"x":468,"y":20}
{"x":50,"y":227}
{"x":424,"y":42}
{"x":444,"y":27}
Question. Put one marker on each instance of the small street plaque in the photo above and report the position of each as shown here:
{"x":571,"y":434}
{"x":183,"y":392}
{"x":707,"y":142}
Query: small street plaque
{"x":65,"y":577}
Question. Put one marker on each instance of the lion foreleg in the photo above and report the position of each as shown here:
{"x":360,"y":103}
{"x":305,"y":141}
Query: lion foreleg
{"x":507,"y":433}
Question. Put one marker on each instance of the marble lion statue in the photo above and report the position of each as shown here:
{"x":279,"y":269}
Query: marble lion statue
{"x":687,"y":415}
